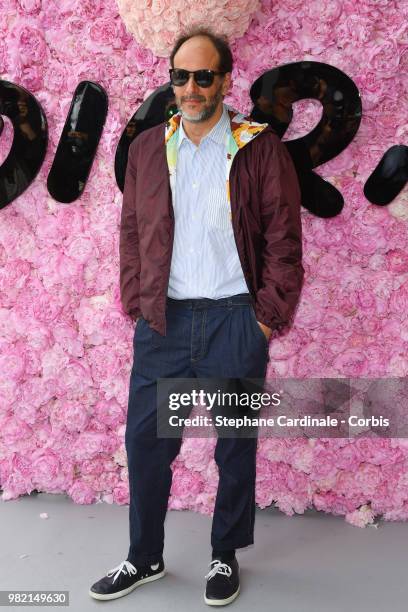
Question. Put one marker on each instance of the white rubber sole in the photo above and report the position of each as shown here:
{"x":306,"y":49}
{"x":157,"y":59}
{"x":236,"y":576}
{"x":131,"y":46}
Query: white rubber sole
{"x":128,"y":590}
{"x":221,"y":602}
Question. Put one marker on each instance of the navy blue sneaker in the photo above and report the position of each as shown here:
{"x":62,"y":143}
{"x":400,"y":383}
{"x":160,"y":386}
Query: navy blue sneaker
{"x":124,"y":578}
{"x":222,"y":582}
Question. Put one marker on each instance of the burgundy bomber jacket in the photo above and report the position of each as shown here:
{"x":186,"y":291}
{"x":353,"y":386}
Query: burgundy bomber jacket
{"x":265,"y":215}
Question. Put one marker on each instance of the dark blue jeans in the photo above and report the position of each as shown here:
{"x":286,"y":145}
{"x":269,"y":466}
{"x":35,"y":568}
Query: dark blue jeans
{"x":205,"y":339}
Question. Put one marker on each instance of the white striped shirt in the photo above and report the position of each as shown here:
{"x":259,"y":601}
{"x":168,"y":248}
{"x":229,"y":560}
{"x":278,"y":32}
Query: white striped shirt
{"x":205,"y":260}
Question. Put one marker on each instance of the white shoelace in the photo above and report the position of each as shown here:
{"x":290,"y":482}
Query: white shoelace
{"x":219,"y":568}
{"x":125,"y":567}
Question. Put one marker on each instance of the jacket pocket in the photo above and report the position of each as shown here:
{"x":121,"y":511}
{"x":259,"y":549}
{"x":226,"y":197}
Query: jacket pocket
{"x":218,"y":210}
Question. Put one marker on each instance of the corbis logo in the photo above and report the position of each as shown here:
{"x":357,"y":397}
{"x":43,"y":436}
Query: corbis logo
{"x":272,"y":94}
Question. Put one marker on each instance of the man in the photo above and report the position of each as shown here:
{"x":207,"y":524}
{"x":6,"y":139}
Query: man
{"x":210,"y":248}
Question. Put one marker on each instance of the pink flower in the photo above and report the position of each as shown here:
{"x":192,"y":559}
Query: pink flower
{"x":195,"y":451}
{"x":31,"y":77}
{"x":361,"y":517}
{"x":45,"y":469}
{"x":109,"y":412}
{"x":329,"y":11}
{"x":309,"y":314}
{"x":90,"y":9}
{"x":155,"y":24}
{"x":355,"y":29}
{"x":56,"y":77}
{"x":397,"y":514}
{"x":31,"y":44}
{"x":324,"y":463}
{"x":311,"y":359}
{"x":280,"y":29}
{"x":102,"y":31}
{"x":265,"y":495}
{"x":89,"y":444}
{"x":348,"y":457}
{"x":384,"y":57}
{"x":133,"y":90}
{"x":80,"y":248}
{"x":351,"y":363}
{"x":4,"y":63}
{"x":82,"y":493}
{"x":158,"y":7}
{"x":367,"y":477}
{"x":13,"y":361}
{"x":74,"y":378}
{"x":185,"y":483}
{"x":297,"y":482}
{"x":121,"y":494}
{"x":374,"y":88}
{"x":45,"y":309}
{"x":397,"y":261}
{"x":15,"y":486}
{"x":69,"y":415}
{"x":366,"y":239}
{"x":29,"y":7}
{"x":302,"y":456}
{"x":399,"y":300}
{"x":377,"y":450}
{"x":14,"y":431}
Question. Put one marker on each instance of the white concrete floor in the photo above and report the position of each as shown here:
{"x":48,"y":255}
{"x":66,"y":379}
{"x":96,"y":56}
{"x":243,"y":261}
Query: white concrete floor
{"x":306,"y":563}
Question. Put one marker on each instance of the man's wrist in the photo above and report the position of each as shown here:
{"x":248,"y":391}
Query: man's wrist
{"x":266,"y":330}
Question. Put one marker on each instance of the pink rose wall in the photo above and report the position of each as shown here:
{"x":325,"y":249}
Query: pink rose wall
{"x":65,"y":343}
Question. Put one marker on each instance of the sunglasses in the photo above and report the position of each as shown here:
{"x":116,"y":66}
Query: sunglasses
{"x":203,"y":78}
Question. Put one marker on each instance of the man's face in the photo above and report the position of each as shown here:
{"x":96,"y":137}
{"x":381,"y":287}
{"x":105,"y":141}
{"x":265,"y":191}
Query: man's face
{"x":198,"y":104}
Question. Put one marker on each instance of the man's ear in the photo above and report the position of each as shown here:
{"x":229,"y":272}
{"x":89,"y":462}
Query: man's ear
{"x":226,"y":84}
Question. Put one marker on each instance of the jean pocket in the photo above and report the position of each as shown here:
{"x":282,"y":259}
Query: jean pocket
{"x":156,"y":339}
{"x":143,"y":332}
{"x":255,"y":324}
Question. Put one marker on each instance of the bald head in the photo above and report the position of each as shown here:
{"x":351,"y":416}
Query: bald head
{"x":199,"y":50}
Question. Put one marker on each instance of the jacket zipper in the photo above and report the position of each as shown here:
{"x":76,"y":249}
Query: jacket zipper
{"x":172,"y":241}
{"x":250,"y":288}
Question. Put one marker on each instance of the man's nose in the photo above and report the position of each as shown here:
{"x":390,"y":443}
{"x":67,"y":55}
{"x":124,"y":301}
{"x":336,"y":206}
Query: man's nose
{"x":191,"y":86}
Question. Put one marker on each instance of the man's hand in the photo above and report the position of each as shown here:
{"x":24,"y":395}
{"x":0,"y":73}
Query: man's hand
{"x":266,"y":330}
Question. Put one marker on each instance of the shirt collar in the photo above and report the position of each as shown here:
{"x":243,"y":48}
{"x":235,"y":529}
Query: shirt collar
{"x":217,"y":132}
